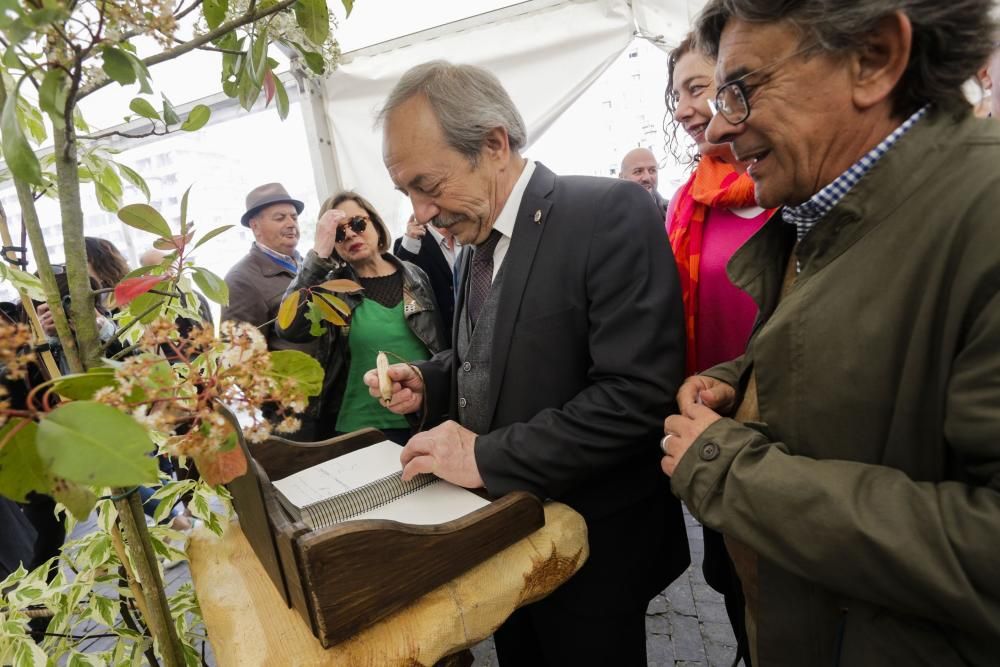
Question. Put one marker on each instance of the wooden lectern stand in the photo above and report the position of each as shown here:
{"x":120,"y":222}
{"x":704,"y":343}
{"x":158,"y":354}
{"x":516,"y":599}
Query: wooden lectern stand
{"x":344,"y":579}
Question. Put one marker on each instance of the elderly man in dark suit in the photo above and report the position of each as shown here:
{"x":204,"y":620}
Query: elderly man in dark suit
{"x":568,"y":345}
{"x":435,"y":251}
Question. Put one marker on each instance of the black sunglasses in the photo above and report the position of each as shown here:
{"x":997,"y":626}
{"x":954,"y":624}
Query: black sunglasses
{"x":357,"y":225}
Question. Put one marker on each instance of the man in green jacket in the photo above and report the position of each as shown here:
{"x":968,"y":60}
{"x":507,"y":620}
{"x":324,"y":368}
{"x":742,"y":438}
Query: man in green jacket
{"x":857,"y":475}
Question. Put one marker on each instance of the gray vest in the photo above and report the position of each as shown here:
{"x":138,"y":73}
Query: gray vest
{"x":473,"y":349}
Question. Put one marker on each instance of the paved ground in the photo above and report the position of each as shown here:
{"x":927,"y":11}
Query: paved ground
{"x":686,"y":625}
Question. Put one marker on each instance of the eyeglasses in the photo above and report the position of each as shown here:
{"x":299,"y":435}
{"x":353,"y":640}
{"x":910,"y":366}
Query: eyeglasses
{"x":357,"y":224}
{"x":732,"y":100}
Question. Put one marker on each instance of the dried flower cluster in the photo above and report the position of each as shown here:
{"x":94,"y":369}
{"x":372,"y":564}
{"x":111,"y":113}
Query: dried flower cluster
{"x":15,"y":339}
{"x":180,"y":402}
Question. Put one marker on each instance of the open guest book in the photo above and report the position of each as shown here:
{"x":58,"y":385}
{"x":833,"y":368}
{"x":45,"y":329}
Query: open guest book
{"x":320,"y":530}
{"x":368,"y":484}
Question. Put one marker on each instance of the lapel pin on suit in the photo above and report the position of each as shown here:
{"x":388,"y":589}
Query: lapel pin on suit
{"x":538,"y":217}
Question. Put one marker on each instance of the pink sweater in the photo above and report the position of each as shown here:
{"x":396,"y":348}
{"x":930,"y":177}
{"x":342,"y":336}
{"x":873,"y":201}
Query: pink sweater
{"x":725,"y":312}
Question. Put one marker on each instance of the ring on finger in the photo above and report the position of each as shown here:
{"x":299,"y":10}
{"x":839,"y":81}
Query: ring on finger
{"x":663,"y":442}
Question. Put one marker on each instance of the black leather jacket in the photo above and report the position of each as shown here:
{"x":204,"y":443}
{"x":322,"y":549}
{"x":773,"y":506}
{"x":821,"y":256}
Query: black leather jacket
{"x":419,"y":308}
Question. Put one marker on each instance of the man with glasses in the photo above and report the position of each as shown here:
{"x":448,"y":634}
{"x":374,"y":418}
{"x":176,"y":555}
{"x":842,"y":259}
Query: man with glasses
{"x":851,"y":456}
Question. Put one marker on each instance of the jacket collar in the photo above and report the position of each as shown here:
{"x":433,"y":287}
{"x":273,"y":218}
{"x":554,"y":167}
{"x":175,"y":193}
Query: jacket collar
{"x":758,"y":265}
{"x":268,"y":267}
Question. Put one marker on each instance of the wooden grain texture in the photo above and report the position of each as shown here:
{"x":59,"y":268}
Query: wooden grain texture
{"x":359,"y":572}
{"x":249,"y":624}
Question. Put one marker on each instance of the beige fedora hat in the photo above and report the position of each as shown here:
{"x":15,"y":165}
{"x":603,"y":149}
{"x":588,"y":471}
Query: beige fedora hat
{"x":265,"y":195}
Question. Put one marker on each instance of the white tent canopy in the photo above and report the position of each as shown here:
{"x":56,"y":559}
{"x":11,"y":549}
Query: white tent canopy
{"x":546,"y":53}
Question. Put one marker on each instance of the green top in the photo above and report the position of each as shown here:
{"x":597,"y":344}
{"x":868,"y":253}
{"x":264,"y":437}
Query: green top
{"x":375,"y":327}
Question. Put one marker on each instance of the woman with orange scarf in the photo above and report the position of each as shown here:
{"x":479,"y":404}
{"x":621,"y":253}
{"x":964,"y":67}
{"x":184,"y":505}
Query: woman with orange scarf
{"x":709,"y":217}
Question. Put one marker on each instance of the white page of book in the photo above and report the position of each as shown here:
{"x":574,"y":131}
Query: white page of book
{"x":434,"y":503}
{"x":341,"y":474}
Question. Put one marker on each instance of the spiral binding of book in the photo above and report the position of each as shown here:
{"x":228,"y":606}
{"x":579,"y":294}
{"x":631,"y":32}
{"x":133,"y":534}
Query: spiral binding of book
{"x":363,"y":499}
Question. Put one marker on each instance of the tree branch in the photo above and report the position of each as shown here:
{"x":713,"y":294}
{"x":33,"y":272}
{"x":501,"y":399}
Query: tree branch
{"x":199,"y":41}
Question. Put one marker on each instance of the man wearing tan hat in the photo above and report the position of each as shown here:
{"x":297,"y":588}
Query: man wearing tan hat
{"x":258,"y":281}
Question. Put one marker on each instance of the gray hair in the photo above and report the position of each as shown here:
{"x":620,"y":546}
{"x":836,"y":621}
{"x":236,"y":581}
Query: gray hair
{"x":951,"y":38}
{"x":469,"y":102}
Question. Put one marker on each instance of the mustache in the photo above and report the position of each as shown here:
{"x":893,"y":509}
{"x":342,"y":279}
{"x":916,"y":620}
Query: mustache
{"x":443,"y":221}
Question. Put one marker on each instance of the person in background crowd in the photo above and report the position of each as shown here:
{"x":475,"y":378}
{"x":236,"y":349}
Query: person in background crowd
{"x":639,"y":165}
{"x":562,"y":363}
{"x":396,"y":313}
{"x":258,"y":281}
{"x":709,"y":217}
{"x":858,"y":480}
{"x":435,"y":251}
{"x":989,"y":77}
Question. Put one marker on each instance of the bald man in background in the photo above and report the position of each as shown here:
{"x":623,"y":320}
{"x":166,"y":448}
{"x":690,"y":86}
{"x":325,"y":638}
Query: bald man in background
{"x":640,"y":165}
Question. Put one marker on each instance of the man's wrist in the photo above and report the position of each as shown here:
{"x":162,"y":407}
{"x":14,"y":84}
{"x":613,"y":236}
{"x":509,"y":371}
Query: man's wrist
{"x":410,"y":244}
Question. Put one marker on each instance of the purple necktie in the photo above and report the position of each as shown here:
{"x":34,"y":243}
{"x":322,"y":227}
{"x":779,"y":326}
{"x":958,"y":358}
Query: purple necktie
{"x":482,"y":274}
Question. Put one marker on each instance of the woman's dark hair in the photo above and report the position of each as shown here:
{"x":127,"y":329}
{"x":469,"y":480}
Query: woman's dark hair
{"x":671,"y":127}
{"x":106,"y":262}
{"x":347,"y":195}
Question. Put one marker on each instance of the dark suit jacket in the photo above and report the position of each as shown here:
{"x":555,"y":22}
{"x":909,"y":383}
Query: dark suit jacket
{"x":587,"y":356}
{"x":433,"y":262}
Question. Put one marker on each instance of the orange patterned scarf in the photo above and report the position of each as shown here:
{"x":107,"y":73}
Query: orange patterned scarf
{"x":714,"y":184}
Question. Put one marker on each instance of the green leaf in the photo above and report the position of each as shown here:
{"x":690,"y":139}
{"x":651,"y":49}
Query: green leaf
{"x":314,"y":19}
{"x":81,"y":386}
{"x":53,"y":93}
{"x":141,"y":73}
{"x":316,"y":319}
{"x":258,"y":56}
{"x":106,"y":199}
{"x":170,"y":116}
{"x":96,"y":445}
{"x":348,"y":5}
{"x":282,"y":95}
{"x":298,"y":366}
{"x":21,"y":280}
{"x":248,"y":89}
{"x":146,"y":218}
{"x":31,"y":118}
{"x":142,"y":107}
{"x":215,"y":12}
{"x":211,"y":285}
{"x":133,"y":177}
{"x":314,"y":61}
{"x":184,"y":210}
{"x":118,"y":66}
{"x":21,"y":160}
{"x":109,"y":179}
{"x":196,"y":118}
{"x":211,"y":235}
{"x":79,"y":500}
{"x":21,"y":468}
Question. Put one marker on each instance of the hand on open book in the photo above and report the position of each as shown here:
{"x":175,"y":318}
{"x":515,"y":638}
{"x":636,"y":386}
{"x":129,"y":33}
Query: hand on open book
{"x":448,"y":451}
{"x":407,"y":388}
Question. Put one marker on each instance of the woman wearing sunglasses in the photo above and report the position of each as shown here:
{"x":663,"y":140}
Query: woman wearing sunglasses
{"x":396,"y":312}
{"x":709,"y":217}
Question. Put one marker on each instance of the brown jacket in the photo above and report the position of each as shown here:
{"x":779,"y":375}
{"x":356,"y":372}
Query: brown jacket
{"x":256,"y":286}
{"x":870,"y":489}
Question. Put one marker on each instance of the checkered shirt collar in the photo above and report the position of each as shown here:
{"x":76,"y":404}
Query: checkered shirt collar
{"x":806,"y":215}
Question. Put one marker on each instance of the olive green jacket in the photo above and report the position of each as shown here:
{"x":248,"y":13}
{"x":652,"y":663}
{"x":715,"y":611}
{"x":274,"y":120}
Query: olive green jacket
{"x":871,"y":489}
